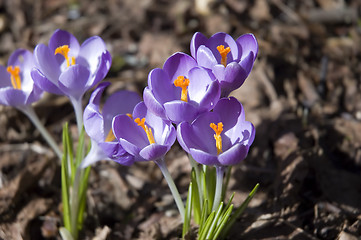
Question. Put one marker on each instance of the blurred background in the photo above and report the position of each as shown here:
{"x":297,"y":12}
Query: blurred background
{"x":303,"y":95}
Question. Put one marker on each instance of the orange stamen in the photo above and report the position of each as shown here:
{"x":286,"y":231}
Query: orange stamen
{"x":147,"y":130}
{"x":14,"y":76}
{"x":183,"y":83}
{"x":129,"y":115}
{"x":218,"y":130}
{"x":110,"y":137}
{"x":64,"y":50}
{"x":223,"y":51}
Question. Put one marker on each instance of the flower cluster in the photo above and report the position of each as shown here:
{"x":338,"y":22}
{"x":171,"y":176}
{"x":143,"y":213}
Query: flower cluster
{"x":192,"y":92}
{"x":189,"y":91}
{"x":188,"y":100}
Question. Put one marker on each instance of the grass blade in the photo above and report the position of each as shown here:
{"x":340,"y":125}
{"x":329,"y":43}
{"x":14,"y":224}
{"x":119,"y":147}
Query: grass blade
{"x":223,"y":221}
{"x":188,"y":211}
{"x":239,"y":211}
{"x":65,"y":181}
{"x":213,"y":226}
{"x":195,"y":198}
{"x":207,"y":225}
{"x":80,"y":149}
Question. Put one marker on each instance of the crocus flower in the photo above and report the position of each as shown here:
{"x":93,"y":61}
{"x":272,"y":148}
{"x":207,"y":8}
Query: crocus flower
{"x":98,"y":125}
{"x":181,"y":90}
{"x":230,"y":61}
{"x":221,"y":137}
{"x":17,"y":88}
{"x":144,"y":135}
{"x":148,"y":137}
{"x":66,"y":68}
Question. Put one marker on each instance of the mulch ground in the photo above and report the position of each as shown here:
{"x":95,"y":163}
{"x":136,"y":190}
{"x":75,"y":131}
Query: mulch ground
{"x":303,"y":96}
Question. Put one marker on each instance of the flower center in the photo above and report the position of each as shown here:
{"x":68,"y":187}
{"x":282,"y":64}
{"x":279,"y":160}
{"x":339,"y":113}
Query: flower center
{"x":64,"y":50}
{"x":110,"y":137}
{"x":14,"y":76}
{"x":183,"y":83}
{"x":223,"y":51}
{"x":147,"y":130}
{"x":217,"y":129}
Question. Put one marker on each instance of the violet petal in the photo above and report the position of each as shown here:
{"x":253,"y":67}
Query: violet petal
{"x":74,"y":80}
{"x":205,"y":57}
{"x":178,"y":65}
{"x":45,"y":84}
{"x":234,"y":155}
{"x":179,"y":111}
{"x":248,"y":43}
{"x":198,"y":39}
{"x":46,"y":62}
{"x":153,"y":152}
{"x":204,"y":157}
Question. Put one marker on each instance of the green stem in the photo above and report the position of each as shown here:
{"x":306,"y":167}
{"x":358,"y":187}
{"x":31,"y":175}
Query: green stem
{"x":226,"y":182}
{"x":219,"y":183}
{"x":178,"y":200}
{"x":194,"y":165}
{"x":29,"y":111}
{"x":78,"y":109}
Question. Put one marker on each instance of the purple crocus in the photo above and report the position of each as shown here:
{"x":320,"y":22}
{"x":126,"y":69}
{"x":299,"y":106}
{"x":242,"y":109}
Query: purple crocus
{"x":98,"y":125}
{"x":66,"y":68}
{"x":145,"y":136}
{"x":221,"y":137}
{"x":181,"y":90}
{"x":17,"y":88}
{"x":148,"y":137}
{"x":230,"y":61}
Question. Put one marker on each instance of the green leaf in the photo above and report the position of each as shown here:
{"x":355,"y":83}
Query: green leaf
{"x":223,"y":221}
{"x":80,"y":149}
{"x":229,"y":203}
{"x":65,"y":181}
{"x":239,"y":211}
{"x":202,"y":234}
{"x":188,"y":211}
{"x":210,"y":185}
{"x":203,"y":215}
{"x":70,"y":156}
{"x":82,"y":196}
{"x":195,"y":198}
{"x":213,"y":226}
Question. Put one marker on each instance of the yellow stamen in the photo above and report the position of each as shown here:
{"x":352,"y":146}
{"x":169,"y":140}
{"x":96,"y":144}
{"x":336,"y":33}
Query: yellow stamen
{"x":223,"y":51}
{"x":147,"y":130}
{"x":110,"y":137}
{"x":72,"y":60}
{"x":218,"y":129}
{"x":14,"y":76}
{"x":64,"y":50}
{"x":129,"y":115}
{"x":183,"y":83}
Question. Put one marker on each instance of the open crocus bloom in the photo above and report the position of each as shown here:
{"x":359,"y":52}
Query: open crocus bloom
{"x":17,"y":88}
{"x":219,"y":138}
{"x":230,"y":61}
{"x":145,"y":136}
{"x":98,"y":125}
{"x":66,"y":68}
{"x":181,"y":90}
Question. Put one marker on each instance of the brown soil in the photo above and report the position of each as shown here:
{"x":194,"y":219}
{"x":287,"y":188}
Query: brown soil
{"x":303,"y":96}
